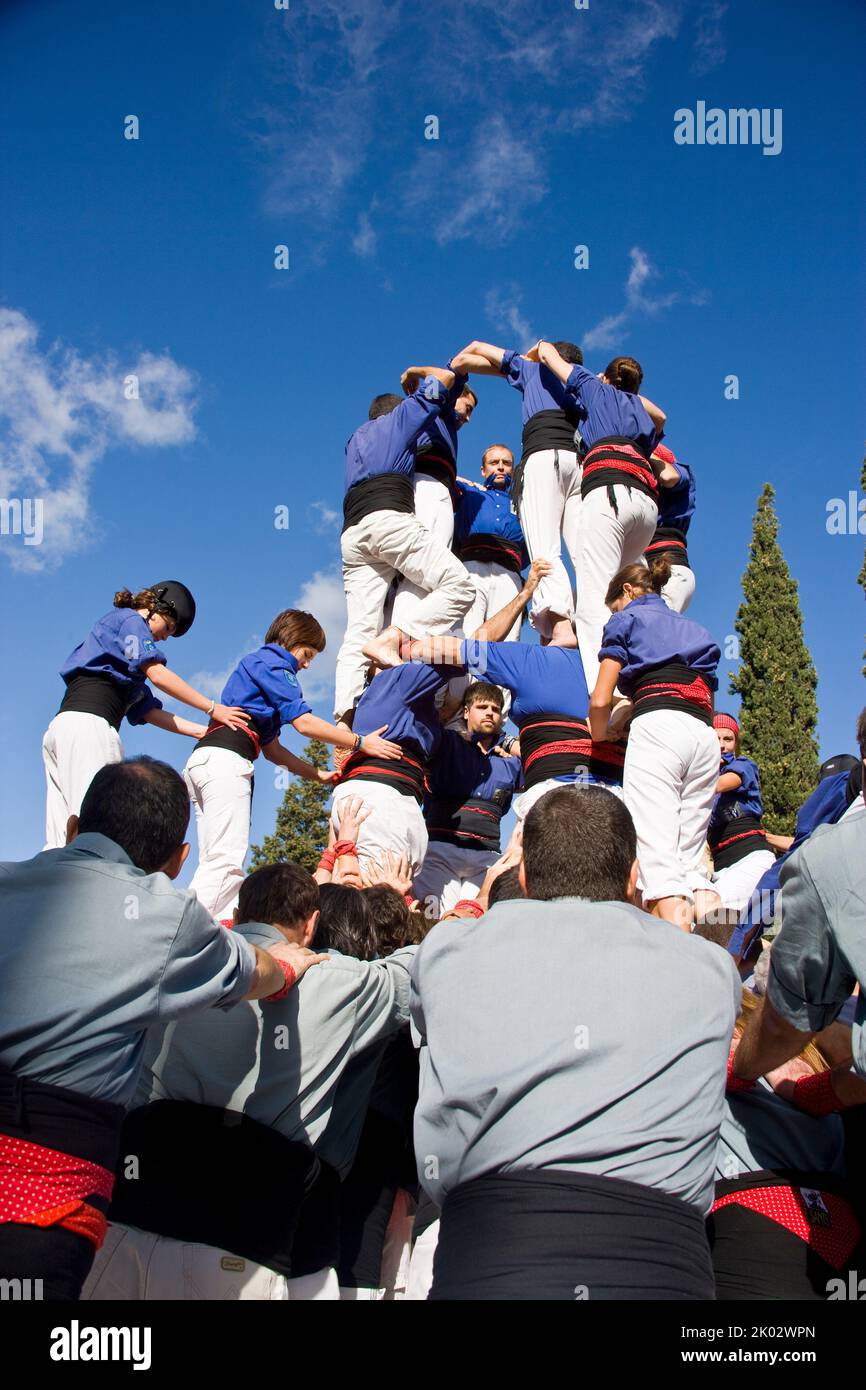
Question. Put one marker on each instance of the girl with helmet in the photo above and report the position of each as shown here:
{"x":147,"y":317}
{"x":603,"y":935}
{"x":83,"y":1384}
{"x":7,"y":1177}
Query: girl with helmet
{"x":106,"y":681}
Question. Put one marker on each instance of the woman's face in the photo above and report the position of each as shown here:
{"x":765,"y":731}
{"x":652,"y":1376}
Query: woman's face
{"x":162,"y":626}
{"x":303,"y":655}
{"x":727,"y":740}
{"x":628,"y":593}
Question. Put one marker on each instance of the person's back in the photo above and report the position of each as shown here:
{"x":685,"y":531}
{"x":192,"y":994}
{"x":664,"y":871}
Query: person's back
{"x":571,"y":1090}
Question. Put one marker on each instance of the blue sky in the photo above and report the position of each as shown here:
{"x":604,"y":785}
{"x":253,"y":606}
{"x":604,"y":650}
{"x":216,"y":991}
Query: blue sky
{"x":305,"y":127}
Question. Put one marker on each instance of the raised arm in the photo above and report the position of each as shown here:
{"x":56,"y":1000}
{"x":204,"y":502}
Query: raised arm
{"x":497,"y":628}
{"x":655,"y":413}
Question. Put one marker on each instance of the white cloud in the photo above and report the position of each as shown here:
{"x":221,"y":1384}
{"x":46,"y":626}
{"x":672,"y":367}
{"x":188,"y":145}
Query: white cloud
{"x":323,"y":596}
{"x":59,"y":414}
{"x":211,"y":683}
{"x":611,"y":331}
{"x":487,"y":193}
{"x":366,"y":238}
{"x":505,"y":311}
{"x":710,"y":49}
{"x":323,"y":518}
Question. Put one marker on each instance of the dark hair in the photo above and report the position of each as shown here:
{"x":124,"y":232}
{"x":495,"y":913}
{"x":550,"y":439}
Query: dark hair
{"x":505,"y":887}
{"x":295,"y":628}
{"x":145,"y":598}
{"x":718,"y":931}
{"x":140,"y":804}
{"x":283,"y":894}
{"x":650,"y":579}
{"x":578,"y":842}
{"x":345,"y":922}
{"x":383,"y":405}
{"x":861,"y":733}
{"x":482,"y":690}
{"x":625,"y":374}
{"x":496,"y":446}
{"x":571,"y":352}
{"x":391,"y":917}
{"x":468,"y":391}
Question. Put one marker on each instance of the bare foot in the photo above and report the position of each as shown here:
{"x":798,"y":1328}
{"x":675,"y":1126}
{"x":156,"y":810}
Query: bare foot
{"x":385,"y":649}
{"x":619,"y":714}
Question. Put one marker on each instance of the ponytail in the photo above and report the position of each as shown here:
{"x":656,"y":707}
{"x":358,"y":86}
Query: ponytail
{"x":649,"y":579}
{"x":625,"y":374}
{"x":124,"y":598}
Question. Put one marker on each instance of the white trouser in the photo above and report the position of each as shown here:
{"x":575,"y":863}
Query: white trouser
{"x":549,"y":510}
{"x":137,"y":1265}
{"x":382,"y":545}
{"x":398,"y":1246}
{"x":680,"y":588}
{"x":220,"y":786}
{"x":450,"y":873}
{"x":736,"y":884}
{"x":421,"y":1264}
{"x":523,"y":803}
{"x":435,"y":510}
{"x":74,"y":747}
{"x":495,"y":586}
{"x":607,"y":541}
{"x":395,"y":822}
{"x":671,"y":770}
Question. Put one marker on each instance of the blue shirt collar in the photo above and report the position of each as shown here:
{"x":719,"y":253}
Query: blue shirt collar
{"x":283,"y":652}
{"x":489,"y":484}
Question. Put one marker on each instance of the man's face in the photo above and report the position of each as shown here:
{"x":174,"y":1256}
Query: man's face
{"x":483,"y":717}
{"x":498,"y":465}
{"x":463,"y":408}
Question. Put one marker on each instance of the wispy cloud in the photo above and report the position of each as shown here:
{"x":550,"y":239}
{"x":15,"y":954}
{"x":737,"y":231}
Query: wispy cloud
{"x":211,"y":682}
{"x":59,"y":414}
{"x":486,"y":195}
{"x":323,"y":517}
{"x":610,"y":331}
{"x":709,"y":49}
{"x":323,"y":596}
{"x":366,"y":239}
{"x":504,"y":309}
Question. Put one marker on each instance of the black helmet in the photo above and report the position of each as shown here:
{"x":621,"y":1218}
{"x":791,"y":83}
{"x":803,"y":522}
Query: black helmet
{"x":174,"y":598}
{"x":840,"y":762}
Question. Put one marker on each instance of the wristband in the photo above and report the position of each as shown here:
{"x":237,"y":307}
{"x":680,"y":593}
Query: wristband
{"x":816,"y":1096}
{"x":327,"y":861}
{"x":209,"y":712}
{"x":289,"y":981}
{"x":359,"y":743}
{"x":732,"y":1082}
{"x":471,"y":904}
{"x":345,"y":847}
{"x":409,"y":900}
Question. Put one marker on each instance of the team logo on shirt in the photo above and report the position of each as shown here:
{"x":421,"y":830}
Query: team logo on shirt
{"x":290,"y":676}
{"x":149,"y":645}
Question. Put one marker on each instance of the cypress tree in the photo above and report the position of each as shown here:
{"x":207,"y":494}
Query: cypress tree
{"x":301,"y":831}
{"x":861,"y":578}
{"x":776,"y":679}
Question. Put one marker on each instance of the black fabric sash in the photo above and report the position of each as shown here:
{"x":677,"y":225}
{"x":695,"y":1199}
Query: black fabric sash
{"x":560,"y":745}
{"x":490,"y":549}
{"x":785,"y":1177}
{"x":673,"y":687}
{"x":405,"y":774}
{"x":669,"y":541}
{"x":471,"y":824}
{"x":246,"y":744}
{"x":735,"y":837}
{"x":60,"y":1119}
{"x":95,"y":694}
{"x":617,"y":461}
{"x":437,"y":466}
{"x":317,"y":1238}
{"x":553,"y":1234}
{"x":548,"y":429}
{"x":213,"y":1177}
{"x":386,"y":492}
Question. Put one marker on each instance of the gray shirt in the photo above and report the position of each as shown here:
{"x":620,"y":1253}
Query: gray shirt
{"x":761,"y":1130}
{"x":282,"y":1064}
{"x":92,"y":953}
{"x":571,"y":1035}
{"x":820,"y":953}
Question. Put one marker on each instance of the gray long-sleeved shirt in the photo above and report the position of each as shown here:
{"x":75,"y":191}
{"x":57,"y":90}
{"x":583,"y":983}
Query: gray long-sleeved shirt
{"x":282,"y":1063}
{"x":820,"y":953}
{"x":93,"y":952}
{"x":571,"y":1035}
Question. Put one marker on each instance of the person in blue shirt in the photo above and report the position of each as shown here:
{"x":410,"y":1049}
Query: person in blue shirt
{"x":736,"y":836}
{"x":469,"y":790}
{"x":219,"y":774}
{"x":106,"y":679}
{"x":676,"y":504}
{"x":382,"y":537}
{"x":546,"y":490}
{"x":619,"y":430}
{"x":435,"y":485}
{"x":666,"y":666}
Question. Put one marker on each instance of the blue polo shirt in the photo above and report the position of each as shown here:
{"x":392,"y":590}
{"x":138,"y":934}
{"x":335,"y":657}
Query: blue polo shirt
{"x":677,"y":503}
{"x":461,"y":768}
{"x":387,"y":445}
{"x":744,"y":800}
{"x":404,"y":699}
{"x":542,"y":680}
{"x":122,"y":646}
{"x":606,"y":411}
{"x":487,"y":510}
{"x":265,"y":684}
{"x":539,"y":387}
{"x":647,"y":634}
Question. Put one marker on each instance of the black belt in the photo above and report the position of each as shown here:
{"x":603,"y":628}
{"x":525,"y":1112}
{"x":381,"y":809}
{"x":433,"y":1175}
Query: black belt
{"x":734,"y":839}
{"x":617,"y":461}
{"x":548,"y":1233}
{"x":58,"y":1118}
{"x":386,"y":492}
{"x":404,"y":774}
{"x":214,"y":1177}
{"x":549,"y":429}
{"x":560,"y":745}
{"x":673,"y":687}
{"x":440,"y":468}
{"x":490,"y":549}
{"x":670,"y":542}
{"x":471,"y":824}
{"x":95,"y":694}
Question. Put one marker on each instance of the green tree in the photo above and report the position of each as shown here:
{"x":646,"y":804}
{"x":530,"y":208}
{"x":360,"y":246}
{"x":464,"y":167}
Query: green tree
{"x":861,"y":578}
{"x":301,"y":831}
{"x":776,"y":679}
